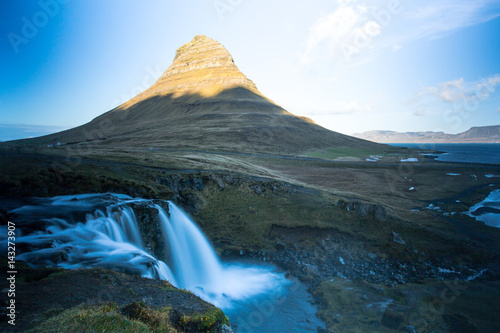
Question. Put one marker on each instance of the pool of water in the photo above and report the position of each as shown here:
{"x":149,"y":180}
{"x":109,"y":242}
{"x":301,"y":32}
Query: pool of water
{"x":288,"y":308}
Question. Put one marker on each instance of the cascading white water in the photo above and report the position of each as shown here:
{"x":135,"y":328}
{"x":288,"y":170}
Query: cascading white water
{"x":195,"y":263}
{"x":112,"y":239}
{"x":196,"y":267}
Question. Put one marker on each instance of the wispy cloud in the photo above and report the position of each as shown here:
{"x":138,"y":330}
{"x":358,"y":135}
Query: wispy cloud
{"x":461,"y":91}
{"x":458,"y":93}
{"x":437,"y":19}
{"x":358,"y":27}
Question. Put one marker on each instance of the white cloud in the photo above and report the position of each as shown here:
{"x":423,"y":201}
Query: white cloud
{"x":458,"y":91}
{"x":358,"y":27}
{"x":455,"y":97}
{"x":437,"y":19}
{"x":343,"y":32}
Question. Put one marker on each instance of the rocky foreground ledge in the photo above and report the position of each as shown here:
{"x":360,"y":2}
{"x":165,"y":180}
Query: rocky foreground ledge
{"x":99,"y":300}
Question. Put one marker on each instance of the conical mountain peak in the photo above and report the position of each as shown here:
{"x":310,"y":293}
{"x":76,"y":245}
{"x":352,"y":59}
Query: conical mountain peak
{"x":198,"y":40}
{"x":204,"y":102}
{"x":203,"y":67}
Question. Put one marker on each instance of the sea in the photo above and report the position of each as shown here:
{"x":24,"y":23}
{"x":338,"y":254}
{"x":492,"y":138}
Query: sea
{"x":488,"y":210}
{"x":488,"y":153}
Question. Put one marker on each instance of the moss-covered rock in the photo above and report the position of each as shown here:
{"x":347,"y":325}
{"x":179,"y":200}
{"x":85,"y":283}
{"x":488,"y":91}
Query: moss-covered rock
{"x":98,"y":300}
{"x":210,"y":321}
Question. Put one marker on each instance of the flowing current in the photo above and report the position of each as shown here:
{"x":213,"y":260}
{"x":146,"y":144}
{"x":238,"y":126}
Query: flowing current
{"x":102,"y":230}
{"x":61,"y":232}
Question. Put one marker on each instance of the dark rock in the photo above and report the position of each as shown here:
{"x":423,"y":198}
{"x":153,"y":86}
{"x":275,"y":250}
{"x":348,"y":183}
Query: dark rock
{"x":257,"y":189}
{"x":363,"y":209}
{"x":181,"y":183}
{"x":380,"y":213}
{"x":198,"y":184}
{"x":188,"y":202}
{"x":396,"y":239}
{"x":228,"y":179}
{"x":279,"y":246}
{"x":218,"y":181}
{"x":147,"y":220}
{"x":392,"y":319}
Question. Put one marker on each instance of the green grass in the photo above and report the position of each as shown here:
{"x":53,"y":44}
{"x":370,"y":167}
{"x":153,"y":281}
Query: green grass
{"x":345,"y":304}
{"x":344,"y":308}
{"x":134,"y":317}
{"x":246,"y":222}
{"x":333,"y":153}
{"x":84,"y":318}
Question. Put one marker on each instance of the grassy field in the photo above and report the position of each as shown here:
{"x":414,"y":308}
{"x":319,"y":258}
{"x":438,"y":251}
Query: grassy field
{"x":249,"y":203}
{"x":240,"y":216}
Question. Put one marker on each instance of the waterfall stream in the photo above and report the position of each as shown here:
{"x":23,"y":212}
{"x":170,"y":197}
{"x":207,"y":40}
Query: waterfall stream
{"x":101,"y":230}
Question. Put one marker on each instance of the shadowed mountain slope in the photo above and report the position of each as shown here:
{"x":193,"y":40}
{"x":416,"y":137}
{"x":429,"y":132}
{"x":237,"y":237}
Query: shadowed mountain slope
{"x":203,"y":101}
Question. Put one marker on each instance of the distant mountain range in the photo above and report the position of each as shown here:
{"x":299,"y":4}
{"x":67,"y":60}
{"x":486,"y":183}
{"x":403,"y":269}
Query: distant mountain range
{"x":483,"y":134}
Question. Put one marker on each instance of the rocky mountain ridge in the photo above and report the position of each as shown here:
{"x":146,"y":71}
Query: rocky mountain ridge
{"x":203,"y":66}
{"x":482,"y":134}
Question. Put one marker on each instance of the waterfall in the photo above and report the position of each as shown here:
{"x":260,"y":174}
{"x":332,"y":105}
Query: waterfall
{"x":195,"y":263}
{"x":110,"y":238}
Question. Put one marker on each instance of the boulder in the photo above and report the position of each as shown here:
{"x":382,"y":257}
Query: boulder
{"x":364,"y":209}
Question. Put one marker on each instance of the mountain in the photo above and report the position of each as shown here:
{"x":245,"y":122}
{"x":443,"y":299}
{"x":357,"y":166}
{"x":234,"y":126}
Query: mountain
{"x":484,"y":134}
{"x":204,"y":102}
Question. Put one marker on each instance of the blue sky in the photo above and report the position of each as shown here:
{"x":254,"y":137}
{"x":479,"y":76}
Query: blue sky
{"x":350,"y":65}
